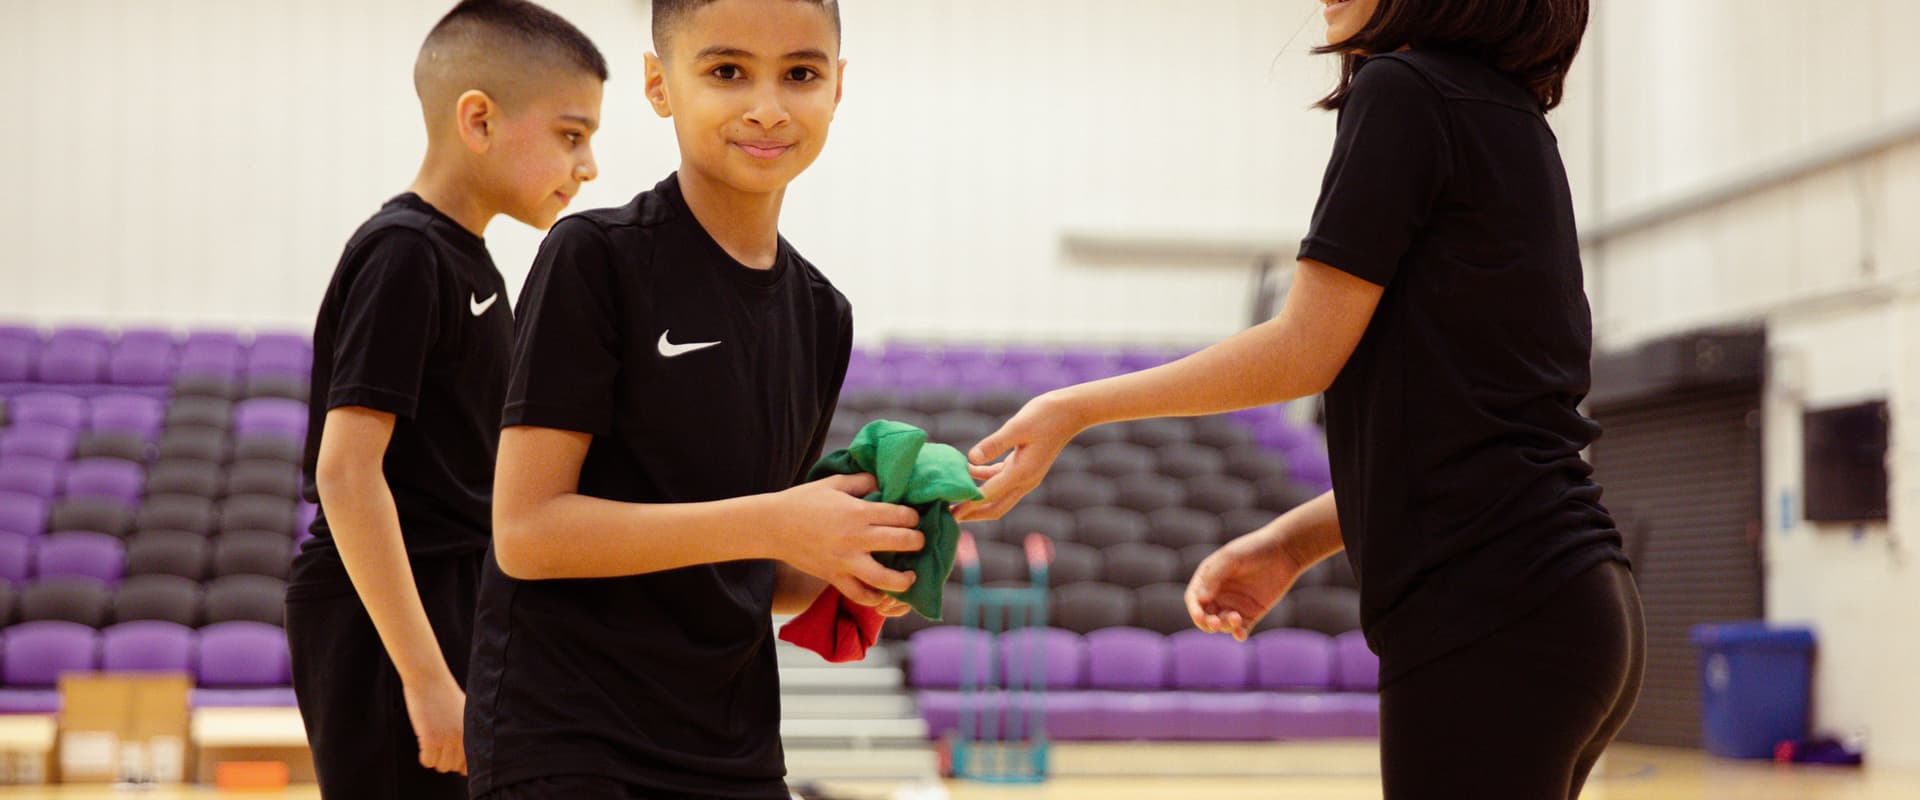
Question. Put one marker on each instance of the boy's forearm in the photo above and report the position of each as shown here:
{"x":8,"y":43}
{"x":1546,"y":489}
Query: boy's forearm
{"x":366,"y":531}
{"x":793,"y":590}
{"x":576,"y":536}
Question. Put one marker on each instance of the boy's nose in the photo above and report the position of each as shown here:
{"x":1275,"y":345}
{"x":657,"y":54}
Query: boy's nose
{"x":767,"y":111}
{"x":587,"y":169}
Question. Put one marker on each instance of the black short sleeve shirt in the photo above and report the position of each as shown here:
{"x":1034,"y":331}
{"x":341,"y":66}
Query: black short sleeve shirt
{"x":415,"y":323}
{"x":700,"y":379}
{"x":1454,"y":429}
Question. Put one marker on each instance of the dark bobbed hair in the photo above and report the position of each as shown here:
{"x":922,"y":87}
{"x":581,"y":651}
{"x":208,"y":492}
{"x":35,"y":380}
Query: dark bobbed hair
{"x":1534,"y":41}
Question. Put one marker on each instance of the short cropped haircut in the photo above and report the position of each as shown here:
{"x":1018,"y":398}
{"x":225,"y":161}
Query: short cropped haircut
{"x":669,"y":13}
{"x":482,"y":38}
{"x":1533,"y":41}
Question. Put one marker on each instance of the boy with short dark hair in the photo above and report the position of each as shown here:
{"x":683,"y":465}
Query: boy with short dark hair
{"x":676,"y":366}
{"x":411,"y":352}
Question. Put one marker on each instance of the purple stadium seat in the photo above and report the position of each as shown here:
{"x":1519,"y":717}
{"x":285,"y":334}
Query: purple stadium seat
{"x":146,"y":337}
{"x":142,"y":364}
{"x":1293,"y":659}
{"x":1126,"y":658}
{"x":303,"y":523}
{"x":29,"y":701}
{"x":1311,"y":468}
{"x":1209,"y":661}
{"x":1321,"y":716}
{"x":945,"y":711}
{"x":147,"y":646}
{"x":1049,"y":656}
{"x":19,"y":333}
{"x":948,"y":656}
{"x":1019,"y":357}
{"x":1356,"y":668}
{"x":904,"y":352}
{"x":16,"y":557}
{"x":267,"y":697}
{"x":106,"y":477}
{"x":270,"y":415}
{"x":220,"y":339}
{"x":17,"y":358}
{"x":280,"y":353}
{"x":81,"y":554}
{"x":861,"y":379}
{"x":1038,"y":378}
{"x":281,"y":341}
{"x":1142,"y":715}
{"x":219,"y":357}
{"x":71,"y":363}
{"x":38,"y":440}
{"x":280,"y":365}
{"x":243,"y":655}
{"x":23,"y":514}
{"x":32,"y":476}
{"x":1134,"y":360}
{"x":127,"y":413}
{"x":1227,"y":716}
{"x":983,"y":378}
{"x":1092,"y":362}
{"x":914,"y":375}
{"x":963,"y":355}
{"x":1279,"y":433}
{"x":80,"y":334}
{"x":49,"y":408}
{"x":38,"y":652}
{"x":1074,"y":716}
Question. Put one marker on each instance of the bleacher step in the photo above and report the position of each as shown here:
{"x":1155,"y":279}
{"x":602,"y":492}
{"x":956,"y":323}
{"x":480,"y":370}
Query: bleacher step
{"x":842,"y":706}
{"x":905,"y":763}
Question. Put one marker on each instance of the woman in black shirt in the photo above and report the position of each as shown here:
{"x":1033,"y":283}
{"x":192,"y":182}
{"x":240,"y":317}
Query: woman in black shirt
{"x":1438,"y":303}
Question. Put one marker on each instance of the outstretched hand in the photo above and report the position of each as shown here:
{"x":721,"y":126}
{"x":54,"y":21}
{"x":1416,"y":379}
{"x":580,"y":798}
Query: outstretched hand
{"x":1035,"y":437}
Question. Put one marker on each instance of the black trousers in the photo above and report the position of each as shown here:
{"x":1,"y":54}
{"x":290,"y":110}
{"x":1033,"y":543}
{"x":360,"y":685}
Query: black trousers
{"x":1523,"y":713}
{"x":351,"y":697}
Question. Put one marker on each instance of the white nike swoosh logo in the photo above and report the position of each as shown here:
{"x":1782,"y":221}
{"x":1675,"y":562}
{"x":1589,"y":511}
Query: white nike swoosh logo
{"x":669,"y":349}
{"x":480,"y":306}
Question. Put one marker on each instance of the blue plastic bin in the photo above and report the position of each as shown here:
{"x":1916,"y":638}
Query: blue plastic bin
{"x":1755,"y":680}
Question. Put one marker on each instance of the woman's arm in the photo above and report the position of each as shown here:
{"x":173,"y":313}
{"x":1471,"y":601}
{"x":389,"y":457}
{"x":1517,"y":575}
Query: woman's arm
{"x":1296,"y":354}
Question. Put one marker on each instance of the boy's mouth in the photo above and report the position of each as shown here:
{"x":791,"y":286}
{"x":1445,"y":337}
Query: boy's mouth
{"x":763,"y":149}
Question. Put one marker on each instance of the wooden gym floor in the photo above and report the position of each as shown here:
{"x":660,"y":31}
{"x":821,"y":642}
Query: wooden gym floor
{"x":1287,"y":771}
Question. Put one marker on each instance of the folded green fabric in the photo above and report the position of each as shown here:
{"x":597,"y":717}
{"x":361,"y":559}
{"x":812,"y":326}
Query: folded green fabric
{"x":928,"y":477}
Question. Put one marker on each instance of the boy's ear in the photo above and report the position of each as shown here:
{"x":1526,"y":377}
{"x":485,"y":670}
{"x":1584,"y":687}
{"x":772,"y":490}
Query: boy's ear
{"x":656,"y":87}
{"x":840,"y":83}
{"x":474,"y":114}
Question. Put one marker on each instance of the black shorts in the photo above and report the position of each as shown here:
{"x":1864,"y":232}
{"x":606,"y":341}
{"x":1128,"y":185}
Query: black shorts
{"x":1525,"y":711}
{"x":350,"y":695}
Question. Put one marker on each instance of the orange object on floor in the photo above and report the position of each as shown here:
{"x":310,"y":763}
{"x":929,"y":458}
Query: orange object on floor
{"x":250,"y":775}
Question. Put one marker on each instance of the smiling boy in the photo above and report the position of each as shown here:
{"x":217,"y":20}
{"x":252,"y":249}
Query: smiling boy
{"x":676,"y":366}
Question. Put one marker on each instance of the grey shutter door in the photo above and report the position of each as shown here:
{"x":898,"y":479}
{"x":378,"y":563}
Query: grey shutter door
{"x":1682,"y":476}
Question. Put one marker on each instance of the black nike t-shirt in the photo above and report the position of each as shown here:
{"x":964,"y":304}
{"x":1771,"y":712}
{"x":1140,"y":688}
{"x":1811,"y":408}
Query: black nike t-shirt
{"x":1454,"y":430}
{"x":699,"y":379}
{"x":416,"y":324}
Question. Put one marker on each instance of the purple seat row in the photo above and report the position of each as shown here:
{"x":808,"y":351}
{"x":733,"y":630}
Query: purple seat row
{"x":233,"y":663}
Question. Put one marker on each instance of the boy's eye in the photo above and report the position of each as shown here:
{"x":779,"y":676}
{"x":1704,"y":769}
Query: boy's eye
{"x":726,"y":72}
{"x":573,"y":138}
{"x":802,"y":74}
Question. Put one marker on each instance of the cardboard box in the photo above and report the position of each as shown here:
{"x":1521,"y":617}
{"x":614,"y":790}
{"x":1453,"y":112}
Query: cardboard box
{"x":123,"y":727}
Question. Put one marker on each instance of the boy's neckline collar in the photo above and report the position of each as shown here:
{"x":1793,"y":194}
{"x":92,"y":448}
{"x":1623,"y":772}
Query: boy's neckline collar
{"x":413,"y":200}
{"x":756,"y":278}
